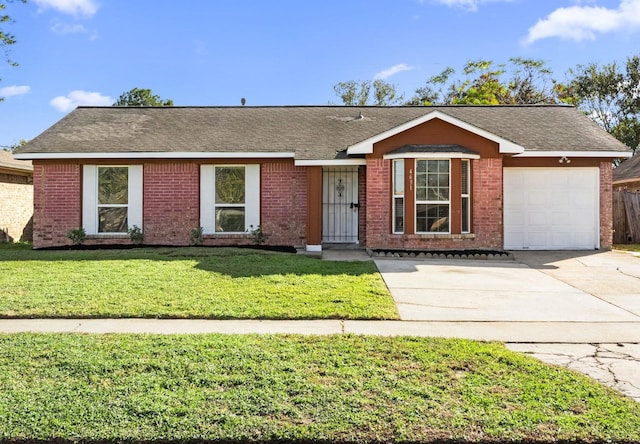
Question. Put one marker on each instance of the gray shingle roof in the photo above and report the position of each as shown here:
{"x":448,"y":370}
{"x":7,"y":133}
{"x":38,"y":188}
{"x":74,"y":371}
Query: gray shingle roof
{"x":7,"y":161}
{"x":627,"y":170}
{"x":312,"y":132}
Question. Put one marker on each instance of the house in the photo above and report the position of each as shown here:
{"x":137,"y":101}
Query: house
{"x":419,"y":178}
{"x":16,"y":198}
{"x":626,"y":176}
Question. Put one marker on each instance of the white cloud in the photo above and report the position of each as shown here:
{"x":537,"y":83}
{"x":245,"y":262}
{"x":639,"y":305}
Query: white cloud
{"x":80,"y":98}
{"x":395,"y":69}
{"x":86,"y":8}
{"x":585,"y":22}
{"x":65,"y":28}
{"x":470,"y":5}
{"x":14,"y":90}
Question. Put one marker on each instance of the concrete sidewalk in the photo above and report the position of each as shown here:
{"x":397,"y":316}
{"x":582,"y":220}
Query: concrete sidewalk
{"x":526,"y":332}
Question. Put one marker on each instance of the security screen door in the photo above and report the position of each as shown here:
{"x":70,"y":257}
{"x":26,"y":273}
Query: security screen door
{"x":340,"y":205}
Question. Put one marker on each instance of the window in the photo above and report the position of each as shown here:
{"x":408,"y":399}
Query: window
{"x":432,"y":196}
{"x":465,"y":196}
{"x":112,"y":198}
{"x":229,"y":202}
{"x":229,"y":198}
{"x":398,"y":196}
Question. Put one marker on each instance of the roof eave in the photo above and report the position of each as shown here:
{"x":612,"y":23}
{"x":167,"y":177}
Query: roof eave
{"x":591,"y":154}
{"x":157,"y":155}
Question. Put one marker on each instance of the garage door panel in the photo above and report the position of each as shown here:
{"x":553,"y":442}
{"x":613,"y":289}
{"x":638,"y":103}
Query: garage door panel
{"x":551,"y":208}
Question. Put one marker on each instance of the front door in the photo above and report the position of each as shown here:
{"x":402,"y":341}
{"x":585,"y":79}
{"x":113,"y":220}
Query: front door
{"x":340,"y":205}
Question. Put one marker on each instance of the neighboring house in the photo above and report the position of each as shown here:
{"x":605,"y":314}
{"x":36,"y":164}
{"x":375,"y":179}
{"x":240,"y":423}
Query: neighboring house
{"x":16,"y":198}
{"x":626,"y":176}
{"x":420,"y":178}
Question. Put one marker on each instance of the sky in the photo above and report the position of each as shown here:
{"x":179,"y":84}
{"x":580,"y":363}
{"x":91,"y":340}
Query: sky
{"x":281,"y":52}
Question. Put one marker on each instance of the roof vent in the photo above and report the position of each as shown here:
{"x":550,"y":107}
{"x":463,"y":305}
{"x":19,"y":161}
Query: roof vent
{"x":360,"y":116}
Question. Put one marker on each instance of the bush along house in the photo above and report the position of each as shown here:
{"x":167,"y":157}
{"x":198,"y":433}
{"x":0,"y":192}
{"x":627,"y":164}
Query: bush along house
{"x":412,"y":178}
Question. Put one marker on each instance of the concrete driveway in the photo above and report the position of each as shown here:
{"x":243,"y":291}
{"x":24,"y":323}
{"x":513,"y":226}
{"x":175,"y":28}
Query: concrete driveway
{"x":537,"y":297}
{"x":536,"y":286}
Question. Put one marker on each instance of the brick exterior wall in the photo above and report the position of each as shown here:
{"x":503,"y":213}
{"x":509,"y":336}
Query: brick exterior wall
{"x":606,"y":205}
{"x":16,"y":207}
{"x":487,"y":228}
{"x":171,"y":205}
{"x":284,"y":203}
{"x":171,"y":202}
{"x":57,"y":205}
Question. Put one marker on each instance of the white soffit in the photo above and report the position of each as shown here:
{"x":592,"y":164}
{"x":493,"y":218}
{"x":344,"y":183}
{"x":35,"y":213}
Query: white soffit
{"x":335,"y":162}
{"x":570,"y":154}
{"x":505,"y":146}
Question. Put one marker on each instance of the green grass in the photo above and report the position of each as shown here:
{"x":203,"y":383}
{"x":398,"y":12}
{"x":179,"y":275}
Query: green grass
{"x":627,"y":247}
{"x":213,"y":283}
{"x":295,"y":388}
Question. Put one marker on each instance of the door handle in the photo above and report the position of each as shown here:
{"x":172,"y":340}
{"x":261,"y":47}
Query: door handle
{"x":354,"y":205}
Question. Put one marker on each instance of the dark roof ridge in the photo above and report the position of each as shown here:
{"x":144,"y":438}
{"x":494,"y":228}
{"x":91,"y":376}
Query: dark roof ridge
{"x":543,"y":105}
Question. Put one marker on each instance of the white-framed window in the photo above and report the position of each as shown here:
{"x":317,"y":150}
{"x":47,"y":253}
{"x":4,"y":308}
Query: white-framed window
{"x":398,"y":196}
{"x":111,"y":198}
{"x":465,"y":196}
{"x":229,"y":198}
{"x":432,"y":195}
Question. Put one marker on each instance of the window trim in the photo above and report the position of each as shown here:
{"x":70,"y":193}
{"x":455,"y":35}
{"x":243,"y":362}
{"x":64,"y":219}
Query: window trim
{"x":465,"y":196}
{"x":90,"y":206}
{"x":208,"y":204}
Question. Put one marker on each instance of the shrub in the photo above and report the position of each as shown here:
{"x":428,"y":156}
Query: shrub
{"x":77,"y":235}
{"x":136,"y":235}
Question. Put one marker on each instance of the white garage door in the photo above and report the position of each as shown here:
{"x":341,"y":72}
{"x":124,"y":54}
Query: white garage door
{"x":551,"y":208}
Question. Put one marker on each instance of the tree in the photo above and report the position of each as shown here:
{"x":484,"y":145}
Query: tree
{"x":141,"y":97}
{"x":522,"y":81}
{"x":353,"y":93}
{"x":610,"y":95}
{"x":6,"y":38}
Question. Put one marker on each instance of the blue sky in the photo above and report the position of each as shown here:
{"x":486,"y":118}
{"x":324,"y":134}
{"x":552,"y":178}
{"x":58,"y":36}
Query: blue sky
{"x":281,"y":52}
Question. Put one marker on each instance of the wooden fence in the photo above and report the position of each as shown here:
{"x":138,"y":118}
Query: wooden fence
{"x":626,"y":217}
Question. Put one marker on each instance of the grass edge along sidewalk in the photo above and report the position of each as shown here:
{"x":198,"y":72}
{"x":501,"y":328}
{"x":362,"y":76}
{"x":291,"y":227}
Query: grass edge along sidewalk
{"x":292,"y":388}
{"x":187,"y":282}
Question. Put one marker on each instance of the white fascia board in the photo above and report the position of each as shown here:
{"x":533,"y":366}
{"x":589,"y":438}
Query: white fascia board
{"x":570,"y":154}
{"x":341,"y":162}
{"x":431,"y":156}
{"x":158,"y":155}
{"x":366,"y":146}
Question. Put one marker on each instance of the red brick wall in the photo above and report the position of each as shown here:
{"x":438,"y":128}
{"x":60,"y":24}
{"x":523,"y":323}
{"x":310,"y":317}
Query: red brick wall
{"x":57,"y":203}
{"x":606,"y":205}
{"x":486,"y":214}
{"x":171,"y":205}
{"x":487,"y":230}
{"x":284,"y":203}
{"x":171,"y":202}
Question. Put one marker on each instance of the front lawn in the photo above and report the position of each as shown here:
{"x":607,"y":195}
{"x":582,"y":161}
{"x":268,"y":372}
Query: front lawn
{"x":214,"y":283}
{"x":234,"y":388}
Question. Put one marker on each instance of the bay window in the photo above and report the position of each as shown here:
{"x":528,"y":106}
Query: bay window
{"x":430,"y":195}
